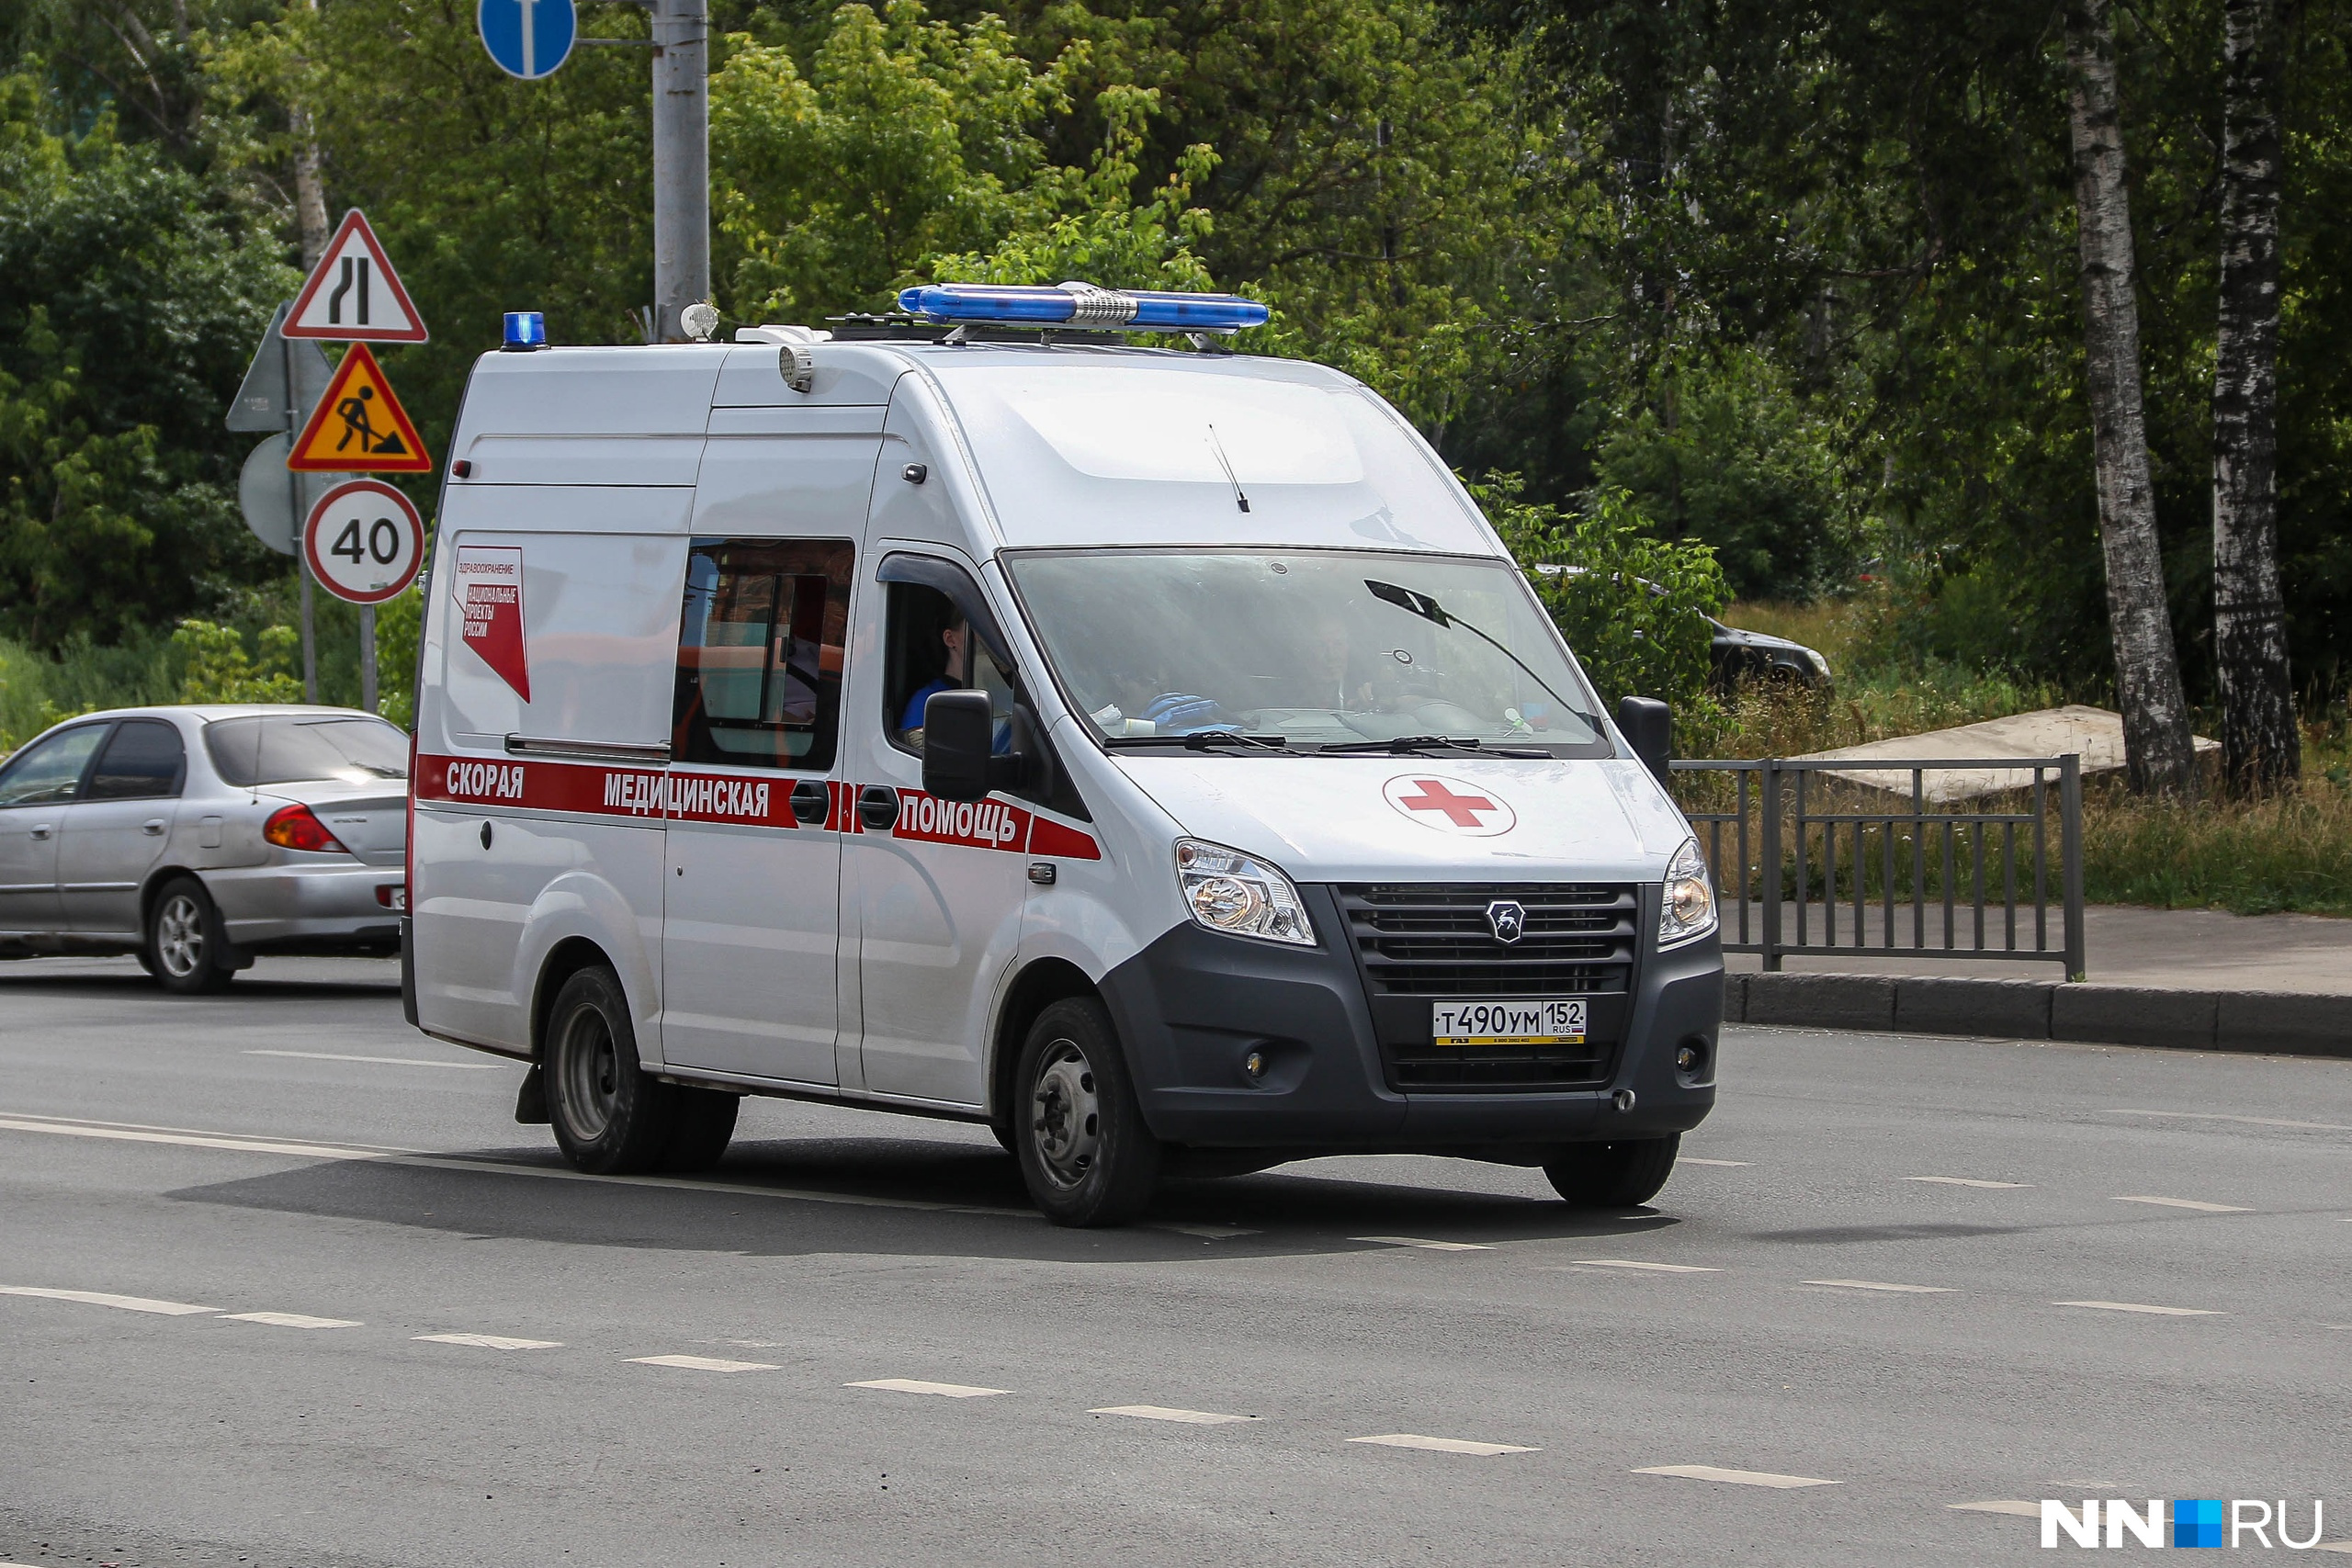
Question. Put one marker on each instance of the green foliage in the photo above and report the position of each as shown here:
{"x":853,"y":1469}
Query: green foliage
{"x":129,"y":300}
{"x":400,"y":624}
{"x":1633,"y":605}
{"x":216,"y":668}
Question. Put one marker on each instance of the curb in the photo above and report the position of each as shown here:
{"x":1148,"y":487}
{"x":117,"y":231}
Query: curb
{"x":2272,"y":1023}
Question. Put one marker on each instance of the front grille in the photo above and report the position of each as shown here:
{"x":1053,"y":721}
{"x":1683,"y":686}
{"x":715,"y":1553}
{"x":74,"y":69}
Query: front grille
{"x":1417,"y":941}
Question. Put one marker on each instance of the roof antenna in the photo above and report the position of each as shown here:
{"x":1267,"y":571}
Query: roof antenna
{"x":1219,"y":447}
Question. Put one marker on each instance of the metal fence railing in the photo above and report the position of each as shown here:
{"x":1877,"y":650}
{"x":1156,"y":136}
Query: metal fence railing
{"x":1893,"y":860}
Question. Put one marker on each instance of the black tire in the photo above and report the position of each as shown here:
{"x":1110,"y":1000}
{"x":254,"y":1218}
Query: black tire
{"x":610,"y":1116}
{"x":1614,"y":1175}
{"x":184,"y":946}
{"x":705,"y":1121}
{"x":1084,"y":1151}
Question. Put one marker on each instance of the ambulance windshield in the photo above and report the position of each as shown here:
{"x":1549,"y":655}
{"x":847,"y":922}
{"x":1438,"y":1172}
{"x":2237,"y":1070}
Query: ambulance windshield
{"x":1327,"y":648}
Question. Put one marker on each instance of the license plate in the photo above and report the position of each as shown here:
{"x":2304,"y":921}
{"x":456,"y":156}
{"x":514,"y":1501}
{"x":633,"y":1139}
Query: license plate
{"x":1521,"y":1021}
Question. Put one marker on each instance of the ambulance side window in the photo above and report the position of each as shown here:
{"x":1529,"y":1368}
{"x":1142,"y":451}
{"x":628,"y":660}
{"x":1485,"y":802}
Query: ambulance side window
{"x":761,"y":648}
{"x":932,"y":649}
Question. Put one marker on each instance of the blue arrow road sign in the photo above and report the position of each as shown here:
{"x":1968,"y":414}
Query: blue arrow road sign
{"x":528,"y":37}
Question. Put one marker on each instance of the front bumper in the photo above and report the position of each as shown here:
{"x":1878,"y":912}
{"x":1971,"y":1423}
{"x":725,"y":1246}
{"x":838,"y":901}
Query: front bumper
{"x":1194,"y":1005}
{"x":323,"y":907}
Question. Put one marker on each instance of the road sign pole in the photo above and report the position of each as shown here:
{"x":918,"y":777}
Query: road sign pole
{"x":367,"y":656}
{"x":294,"y":418}
{"x":680,"y":162}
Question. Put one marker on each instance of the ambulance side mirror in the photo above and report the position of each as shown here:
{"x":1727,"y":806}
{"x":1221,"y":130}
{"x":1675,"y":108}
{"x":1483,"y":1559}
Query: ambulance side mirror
{"x":958,"y":742}
{"x":1648,"y":725}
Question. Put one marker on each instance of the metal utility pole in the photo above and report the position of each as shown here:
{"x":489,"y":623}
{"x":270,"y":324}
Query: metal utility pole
{"x":680,"y":162}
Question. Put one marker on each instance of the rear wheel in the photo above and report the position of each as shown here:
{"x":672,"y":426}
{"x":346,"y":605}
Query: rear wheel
{"x":1084,"y":1151}
{"x":186,"y":949}
{"x":1616,"y":1175}
{"x":610,"y":1116}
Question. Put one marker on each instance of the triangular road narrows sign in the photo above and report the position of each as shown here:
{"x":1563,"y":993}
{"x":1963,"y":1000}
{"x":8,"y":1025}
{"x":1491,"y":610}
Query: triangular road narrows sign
{"x":359,"y":427}
{"x":353,"y":295}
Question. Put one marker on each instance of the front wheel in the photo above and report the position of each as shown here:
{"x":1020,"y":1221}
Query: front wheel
{"x":187,"y":948}
{"x":611,"y":1117}
{"x":1614,"y":1175}
{"x":1084,"y":1151}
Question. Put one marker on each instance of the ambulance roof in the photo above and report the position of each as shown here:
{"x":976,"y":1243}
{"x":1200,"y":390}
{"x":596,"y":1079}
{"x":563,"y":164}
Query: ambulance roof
{"x":1073,"y":444}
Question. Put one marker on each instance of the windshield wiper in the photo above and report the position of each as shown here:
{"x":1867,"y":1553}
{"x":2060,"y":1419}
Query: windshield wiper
{"x":1430,"y":610}
{"x":1201,"y":740}
{"x":1408,"y":745}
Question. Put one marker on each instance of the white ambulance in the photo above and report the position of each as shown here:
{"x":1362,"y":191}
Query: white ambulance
{"x":1153,"y":755}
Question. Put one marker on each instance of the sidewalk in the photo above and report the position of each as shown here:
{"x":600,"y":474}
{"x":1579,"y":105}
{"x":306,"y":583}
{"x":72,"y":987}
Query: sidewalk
{"x":2192,"y":978}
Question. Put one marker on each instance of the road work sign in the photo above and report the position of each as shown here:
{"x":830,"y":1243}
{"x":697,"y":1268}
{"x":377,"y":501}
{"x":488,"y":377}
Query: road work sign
{"x":359,"y":427}
{"x":353,"y":295}
{"x":528,"y":39}
{"x":363,"y":541}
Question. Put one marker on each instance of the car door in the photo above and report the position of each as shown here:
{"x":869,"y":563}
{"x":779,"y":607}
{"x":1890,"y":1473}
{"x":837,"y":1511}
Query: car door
{"x":933,"y":888}
{"x":115,"y":833}
{"x":750,"y":927}
{"x":36,"y":787}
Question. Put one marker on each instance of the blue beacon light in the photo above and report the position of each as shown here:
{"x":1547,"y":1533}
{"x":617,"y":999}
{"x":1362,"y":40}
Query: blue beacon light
{"x":525,"y":330}
{"x":1083,"y":305}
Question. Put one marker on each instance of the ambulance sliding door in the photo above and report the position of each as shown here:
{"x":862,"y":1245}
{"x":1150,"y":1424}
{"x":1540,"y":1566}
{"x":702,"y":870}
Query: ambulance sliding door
{"x":554,"y":636}
{"x":751,"y":936}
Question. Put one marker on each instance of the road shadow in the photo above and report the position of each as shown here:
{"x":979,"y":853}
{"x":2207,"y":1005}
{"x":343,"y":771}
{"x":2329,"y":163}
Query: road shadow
{"x":133,"y":985}
{"x":897,"y":1197}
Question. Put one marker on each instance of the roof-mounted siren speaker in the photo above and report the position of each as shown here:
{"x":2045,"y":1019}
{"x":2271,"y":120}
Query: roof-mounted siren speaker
{"x":1084,"y":307}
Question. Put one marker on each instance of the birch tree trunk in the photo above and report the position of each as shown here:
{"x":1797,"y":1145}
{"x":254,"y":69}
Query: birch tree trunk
{"x":2157,"y":745}
{"x":2261,"y":748}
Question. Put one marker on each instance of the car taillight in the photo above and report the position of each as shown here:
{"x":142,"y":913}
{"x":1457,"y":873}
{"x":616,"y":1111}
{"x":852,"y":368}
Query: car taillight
{"x":293,"y":827}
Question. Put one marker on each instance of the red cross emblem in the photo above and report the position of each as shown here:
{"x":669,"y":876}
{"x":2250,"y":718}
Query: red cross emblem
{"x":1463,"y":809}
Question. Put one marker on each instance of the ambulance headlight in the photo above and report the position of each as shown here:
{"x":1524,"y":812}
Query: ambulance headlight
{"x":1227,"y":891}
{"x":1687,"y":910}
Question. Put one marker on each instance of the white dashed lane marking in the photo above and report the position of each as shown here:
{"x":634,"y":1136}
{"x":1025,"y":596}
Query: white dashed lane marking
{"x":2145,"y":1307}
{"x":1694,"y":1159}
{"x":105,"y":1299}
{"x":1883,"y":1285}
{"x":491,"y":1341}
{"x":1967,"y":1181}
{"x":1644,"y":1266}
{"x":1425,"y":1244}
{"x":1163,"y":1413}
{"x":916,"y":1385}
{"x":290,"y":1320}
{"x":2017,"y":1506}
{"x":1442,"y":1444}
{"x":1735,"y":1477}
{"x":2201,"y":1208}
{"x":702,"y":1364}
{"x":385,"y":1061}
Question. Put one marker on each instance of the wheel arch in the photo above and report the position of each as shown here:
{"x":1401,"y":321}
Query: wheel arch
{"x":566,"y":958}
{"x":1038,"y":987}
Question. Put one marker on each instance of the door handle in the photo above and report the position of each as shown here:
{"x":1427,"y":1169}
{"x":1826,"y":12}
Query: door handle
{"x":41,"y":829}
{"x":877,"y":808}
{"x":153,"y":829}
{"x":812,"y":804}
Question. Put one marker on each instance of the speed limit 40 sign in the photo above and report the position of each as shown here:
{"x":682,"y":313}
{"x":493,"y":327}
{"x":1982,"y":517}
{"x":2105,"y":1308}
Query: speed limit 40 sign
{"x":363,"y":541}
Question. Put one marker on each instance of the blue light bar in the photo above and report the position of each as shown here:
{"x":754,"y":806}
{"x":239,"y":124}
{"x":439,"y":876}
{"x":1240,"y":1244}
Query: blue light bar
{"x":1083,"y":305}
{"x":525,"y":328}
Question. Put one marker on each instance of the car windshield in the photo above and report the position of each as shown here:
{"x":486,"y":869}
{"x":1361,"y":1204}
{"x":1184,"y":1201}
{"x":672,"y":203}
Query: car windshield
{"x":1326,"y":649}
{"x":271,"y":749}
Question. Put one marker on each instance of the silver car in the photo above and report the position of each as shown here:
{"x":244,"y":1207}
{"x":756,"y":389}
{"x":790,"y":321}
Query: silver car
{"x":200,"y":837}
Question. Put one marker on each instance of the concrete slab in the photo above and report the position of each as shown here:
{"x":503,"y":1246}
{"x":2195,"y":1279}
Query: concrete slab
{"x":2096,"y":734}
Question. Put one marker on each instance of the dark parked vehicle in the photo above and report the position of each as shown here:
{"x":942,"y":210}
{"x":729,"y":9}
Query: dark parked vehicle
{"x":1735,"y":655}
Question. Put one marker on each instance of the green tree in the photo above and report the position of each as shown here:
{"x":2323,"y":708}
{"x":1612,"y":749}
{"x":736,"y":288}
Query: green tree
{"x":131,"y":292}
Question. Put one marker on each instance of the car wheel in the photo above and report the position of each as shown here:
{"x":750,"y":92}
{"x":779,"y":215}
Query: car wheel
{"x":704,"y":1121}
{"x":610,"y":1116}
{"x":1084,"y":1151}
{"x":1614,"y":1175}
{"x":185,"y":949}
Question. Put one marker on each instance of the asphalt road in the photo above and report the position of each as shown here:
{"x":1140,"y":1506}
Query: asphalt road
{"x":337,"y":1309}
